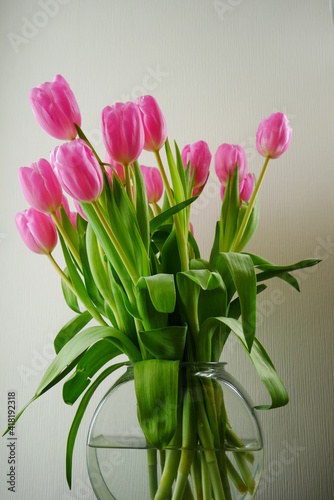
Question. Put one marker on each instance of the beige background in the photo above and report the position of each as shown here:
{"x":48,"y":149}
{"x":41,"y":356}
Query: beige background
{"x":216,"y":68}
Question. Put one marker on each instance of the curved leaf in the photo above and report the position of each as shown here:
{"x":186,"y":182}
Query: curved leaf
{"x":78,"y":417}
{"x":243,"y":275}
{"x":160,"y":219}
{"x":165,"y":343}
{"x":161,"y":288}
{"x":259,"y":357}
{"x":71,"y":328}
{"x":157,"y":402}
{"x":94,"y":358}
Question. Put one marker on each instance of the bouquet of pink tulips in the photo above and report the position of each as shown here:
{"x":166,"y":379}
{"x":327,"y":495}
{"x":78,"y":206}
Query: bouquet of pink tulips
{"x":132,"y":264}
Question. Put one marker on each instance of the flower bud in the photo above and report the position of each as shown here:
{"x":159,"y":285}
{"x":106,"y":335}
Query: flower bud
{"x":40,"y":186}
{"x":153,"y":183}
{"x":154,"y":123}
{"x":118,"y":168}
{"x":78,"y":171}
{"x":37,"y":230}
{"x":273,"y":135}
{"x":123,"y":132}
{"x":200,"y":158}
{"x":226,"y":158}
{"x":55,"y":108}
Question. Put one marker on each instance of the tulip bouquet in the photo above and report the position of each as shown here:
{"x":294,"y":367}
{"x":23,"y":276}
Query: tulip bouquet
{"x":132,"y":265}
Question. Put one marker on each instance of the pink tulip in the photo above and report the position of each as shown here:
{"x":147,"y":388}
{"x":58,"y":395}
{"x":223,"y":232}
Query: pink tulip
{"x":117,"y":167}
{"x":153,"y":121}
{"x":37,"y":230}
{"x":78,"y":171}
{"x":40,"y":186}
{"x":226,"y":158}
{"x":153,"y":183}
{"x":200,"y":158}
{"x":123,"y":132}
{"x":273,"y":135}
{"x":79,"y":210}
{"x":55,"y":108}
{"x":246,"y":187}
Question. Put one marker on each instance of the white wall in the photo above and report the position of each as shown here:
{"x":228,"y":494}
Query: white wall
{"x":220,"y":67}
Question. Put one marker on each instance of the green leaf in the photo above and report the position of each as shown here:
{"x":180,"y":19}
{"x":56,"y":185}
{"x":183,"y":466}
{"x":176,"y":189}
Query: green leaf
{"x":78,"y":344}
{"x":165,"y":343}
{"x":271,"y":271}
{"x":75,"y":278}
{"x":161,"y":288}
{"x":160,"y":219}
{"x":180,"y":169}
{"x":194,"y":246}
{"x":141,"y":205}
{"x":170,"y":258}
{"x":229,"y":212}
{"x":94,"y":358}
{"x":251,"y":226}
{"x":108,"y":246}
{"x":215,"y":246}
{"x":157,"y":402}
{"x":78,"y":417}
{"x":175,"y":176}
{"x":260,"y":359}
{"x":243,"y":275}
{"x":90,"y":282}
{"x":69,"y":229}
{"x":74,"y":326}
{"x":70,"y":298}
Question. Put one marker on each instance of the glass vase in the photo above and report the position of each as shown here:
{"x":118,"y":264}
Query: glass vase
{"x":123,"y":466}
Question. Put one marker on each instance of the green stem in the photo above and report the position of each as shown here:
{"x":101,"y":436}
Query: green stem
{"x":63,"y":276}
{"x":157,"y":209}
{"x":206,"y":484}
{"x":196,"y":476}
{"x":67,"y":240}
{"x":250,"y":206}
{"x":132,"y":273}
{"x":182,"y":244}
{"x":235,"y":478}
{"x":152,"y":471}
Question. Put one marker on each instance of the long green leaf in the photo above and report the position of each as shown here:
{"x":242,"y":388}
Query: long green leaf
{"x":229,"y":212}
{"x":157,"y":402}
{"x":93,"y":359}
{"x":175,"y":176}
{"x":141,"y":205}
{"x":260,"y":359}
{"x":161,"y":288}
{"x":77,"y":345}
{"x":70,"y":298}
{"x":243,"y":275}
{"x":251,"y":226}
{"x":165,"y":343}
{"x":78,"y":417}
{"x":160,"y":219}
{"x":71,"y":328}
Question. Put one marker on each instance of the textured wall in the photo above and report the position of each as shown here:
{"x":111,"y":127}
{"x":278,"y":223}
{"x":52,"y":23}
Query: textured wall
{"x":217,"y":68}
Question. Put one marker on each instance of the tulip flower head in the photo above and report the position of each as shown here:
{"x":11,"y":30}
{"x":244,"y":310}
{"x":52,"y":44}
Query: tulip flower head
{"x":78,"y":171}
{"x":154,"y":123}
{"x":153,"y":183}
{"x":123,"y":132}
{"x":226,"y":158}
{"x":37,"y":230}
{"x":273,"y":136}
{"x":56,"y":109}
{"x":40,"y":186}
{"x":200,"y":158}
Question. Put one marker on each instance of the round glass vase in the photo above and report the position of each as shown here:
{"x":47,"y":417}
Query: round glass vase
{"x":123,"y":466}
